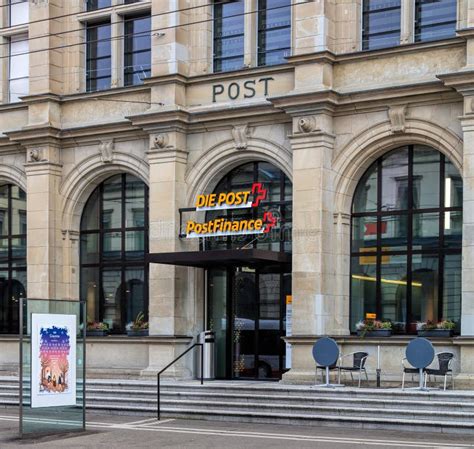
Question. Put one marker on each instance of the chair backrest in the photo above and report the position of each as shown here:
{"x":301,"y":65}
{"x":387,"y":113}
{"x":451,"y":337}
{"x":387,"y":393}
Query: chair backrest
{"x":443,"y":359}
{"x":359,"y":359}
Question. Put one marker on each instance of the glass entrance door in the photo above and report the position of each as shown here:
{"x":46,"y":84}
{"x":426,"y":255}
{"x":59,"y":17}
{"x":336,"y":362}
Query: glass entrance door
{"x":246,"y":310}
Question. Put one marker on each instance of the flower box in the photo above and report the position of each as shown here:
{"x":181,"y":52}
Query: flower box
{"x":96,"y":333}
{"x":375,"y":333}
{"x":446,"y":333}
{"x":137,"y":332}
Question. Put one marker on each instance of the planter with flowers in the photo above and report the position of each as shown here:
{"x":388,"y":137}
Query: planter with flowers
{"x":374,"y":328}
{"x":97,"y":329}
{"x":430,"y":329}
{"x":139,"y":327}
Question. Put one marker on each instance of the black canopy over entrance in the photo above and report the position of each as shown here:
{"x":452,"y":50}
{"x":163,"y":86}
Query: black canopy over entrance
{"x":227,"y":257}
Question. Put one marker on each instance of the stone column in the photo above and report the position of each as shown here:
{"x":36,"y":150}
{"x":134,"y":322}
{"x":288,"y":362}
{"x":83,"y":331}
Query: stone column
{"x":169,"y":289}
{"x":44,"y":265}
{"x":467,"y":306}
{"x":315,"y":305}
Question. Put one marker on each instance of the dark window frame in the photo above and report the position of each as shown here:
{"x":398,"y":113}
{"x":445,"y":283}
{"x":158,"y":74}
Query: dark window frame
{"x":262,"y":31}
{"x":218,"y":57}
{"x":129,"y":70}
{"x":367,"y":36}
{"x":419,"y":27}
{"x":441,"y":251}
{"x":123,"y":263}
{"x":91,"y":81}
{"x":12,"y":325}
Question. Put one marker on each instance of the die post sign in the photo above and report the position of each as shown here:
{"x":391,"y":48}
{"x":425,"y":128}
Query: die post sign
{"x":218,"y":227}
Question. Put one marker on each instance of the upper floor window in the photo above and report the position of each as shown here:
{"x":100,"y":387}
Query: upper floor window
{"x":228,"y":36}
{"x":274,"y":31}
{"x":18,"y":12}
{"x":137,"y":50}
{"x":98,"y":4}
{"x":435,"y":19}
{"x":380,"y":24}
{"x":99,"y":57}
{"x":18,"y":67}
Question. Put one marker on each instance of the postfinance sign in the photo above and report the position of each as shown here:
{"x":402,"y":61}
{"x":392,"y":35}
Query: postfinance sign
{"x":218,"y":227}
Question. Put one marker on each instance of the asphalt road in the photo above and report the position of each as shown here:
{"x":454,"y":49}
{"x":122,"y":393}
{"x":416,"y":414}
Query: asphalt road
{"x":125,"y":432}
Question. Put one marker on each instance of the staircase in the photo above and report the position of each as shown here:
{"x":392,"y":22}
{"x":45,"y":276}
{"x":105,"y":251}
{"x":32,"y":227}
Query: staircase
{"x":259,"y":402}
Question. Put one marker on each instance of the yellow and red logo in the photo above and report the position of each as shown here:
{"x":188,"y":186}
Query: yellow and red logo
{"x":232,"y":200}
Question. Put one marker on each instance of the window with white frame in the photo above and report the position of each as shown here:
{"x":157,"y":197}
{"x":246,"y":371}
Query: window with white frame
{"x":18,"y":12}
{"x":18,"y":67}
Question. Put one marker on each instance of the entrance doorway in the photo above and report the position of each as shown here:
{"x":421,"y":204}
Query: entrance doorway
{"x":246,"y":308}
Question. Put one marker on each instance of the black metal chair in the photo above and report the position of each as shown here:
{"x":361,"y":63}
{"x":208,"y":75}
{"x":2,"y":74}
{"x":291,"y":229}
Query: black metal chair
{"x":445,"y":360}
{"x":358,"y":365}
{"x":410,"y":370}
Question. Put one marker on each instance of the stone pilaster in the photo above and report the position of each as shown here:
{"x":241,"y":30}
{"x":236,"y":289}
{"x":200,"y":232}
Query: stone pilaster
{"x":43,"y":174}
{"x":315,"y":304}
{"x":467,"y":306}
{"x":169,"y":288}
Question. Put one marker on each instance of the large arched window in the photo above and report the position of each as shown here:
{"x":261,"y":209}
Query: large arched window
{"x":406,"y":240}
{"x":278,"y":201}
{"x":114,"y":241}
{"x":12,"y":255}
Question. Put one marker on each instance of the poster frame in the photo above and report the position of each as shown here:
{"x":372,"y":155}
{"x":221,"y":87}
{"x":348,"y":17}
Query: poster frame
{"x":81,"y":341}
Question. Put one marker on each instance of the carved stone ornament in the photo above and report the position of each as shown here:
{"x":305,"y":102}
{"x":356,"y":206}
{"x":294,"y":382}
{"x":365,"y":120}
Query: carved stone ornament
{"x":106,"y":149}
{"x":397,"y":114}
{"x":240,"y":135}
{"x":307,"y":124}
{"x":161,"y":140}
{"x":35,"y":155}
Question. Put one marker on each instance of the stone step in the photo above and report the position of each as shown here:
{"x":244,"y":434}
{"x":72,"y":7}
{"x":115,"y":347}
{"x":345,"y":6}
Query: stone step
{"x":333,"y":410}
{"x":438,"y":426}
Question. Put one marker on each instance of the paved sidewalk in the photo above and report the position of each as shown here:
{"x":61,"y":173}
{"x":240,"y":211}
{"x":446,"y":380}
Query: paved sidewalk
{"x":125,"y":432}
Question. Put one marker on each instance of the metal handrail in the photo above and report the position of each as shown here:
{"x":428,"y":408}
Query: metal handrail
{"x":172,"y":363}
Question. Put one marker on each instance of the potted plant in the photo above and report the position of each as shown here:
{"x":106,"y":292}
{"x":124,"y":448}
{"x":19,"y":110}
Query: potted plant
{"x":374,"y":328}
{"x":138,"y":327}
{"x":430,"y":329}
{"x":97,"y":329}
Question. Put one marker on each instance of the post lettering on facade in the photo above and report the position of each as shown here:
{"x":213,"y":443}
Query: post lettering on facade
{"x":240,"y":90}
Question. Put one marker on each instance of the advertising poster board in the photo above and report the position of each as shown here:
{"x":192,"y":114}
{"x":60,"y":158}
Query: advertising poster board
{"x":53,"y":360}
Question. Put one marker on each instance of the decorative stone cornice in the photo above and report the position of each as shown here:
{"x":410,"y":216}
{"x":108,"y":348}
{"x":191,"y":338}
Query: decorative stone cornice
{"x":35,"y":136}
{"x":461,"y":81}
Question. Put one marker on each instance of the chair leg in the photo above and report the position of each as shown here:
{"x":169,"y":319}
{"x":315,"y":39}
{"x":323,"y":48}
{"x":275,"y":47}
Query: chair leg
{"x":445,"y":379}
{"x":452,"y":381}
{"x":403,"y":381}
{"x":339,"y":375}
{"x":366,"y":376}
{"x":426,"y":379}
{"x":352,"y":377}
{"x":360,"y":377}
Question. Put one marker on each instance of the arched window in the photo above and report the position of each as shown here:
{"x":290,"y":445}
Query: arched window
{"x":12,"y":255}
{"x":278,"y":201}
{"x":114,"y":241}
{"x":406,"y":240}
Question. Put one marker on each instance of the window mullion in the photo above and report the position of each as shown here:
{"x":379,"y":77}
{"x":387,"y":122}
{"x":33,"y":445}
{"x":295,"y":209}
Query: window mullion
{"x":116,"y":49}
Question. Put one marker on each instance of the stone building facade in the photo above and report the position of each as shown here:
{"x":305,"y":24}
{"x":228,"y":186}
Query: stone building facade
{"x":322,"y":117}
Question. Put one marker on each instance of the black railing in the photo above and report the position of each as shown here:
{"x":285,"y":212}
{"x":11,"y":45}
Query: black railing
{"x":172,"y":363}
